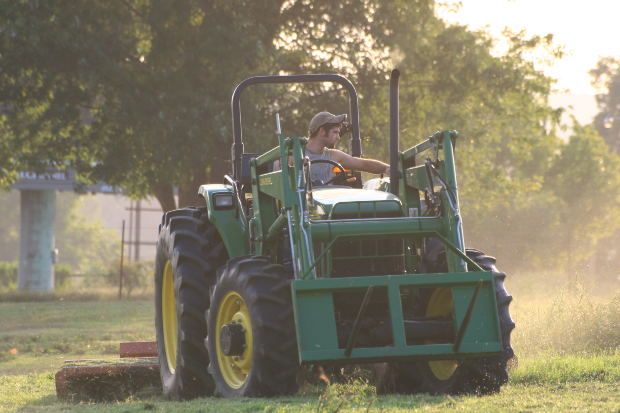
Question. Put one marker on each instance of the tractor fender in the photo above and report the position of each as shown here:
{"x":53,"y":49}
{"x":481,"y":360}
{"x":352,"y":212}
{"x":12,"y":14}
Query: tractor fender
{"x":228,"y":220}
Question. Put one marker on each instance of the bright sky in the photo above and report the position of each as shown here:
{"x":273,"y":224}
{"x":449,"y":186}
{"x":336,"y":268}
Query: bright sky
{"x":587,"y":30}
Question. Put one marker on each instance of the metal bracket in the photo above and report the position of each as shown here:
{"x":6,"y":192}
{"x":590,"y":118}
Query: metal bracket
{"x":458,"y":252}
{"x":461,"y":333}
{"x":320,"y":257}
{"x":356,"y":323}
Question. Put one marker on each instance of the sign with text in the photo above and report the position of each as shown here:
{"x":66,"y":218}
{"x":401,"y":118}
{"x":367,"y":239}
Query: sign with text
{"x":59,"y":181}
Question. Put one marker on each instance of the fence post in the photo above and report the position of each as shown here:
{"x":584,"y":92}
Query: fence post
{"x":120,"y":275}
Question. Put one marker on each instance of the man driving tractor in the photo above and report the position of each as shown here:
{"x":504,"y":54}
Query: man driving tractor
{"x":324,"y":133}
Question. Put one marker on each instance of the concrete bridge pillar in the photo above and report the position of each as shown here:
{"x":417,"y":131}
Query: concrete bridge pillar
{"x":36,"y":267}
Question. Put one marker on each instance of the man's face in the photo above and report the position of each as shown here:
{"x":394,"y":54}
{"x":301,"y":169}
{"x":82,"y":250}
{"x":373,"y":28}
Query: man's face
{"x":330,"y":138}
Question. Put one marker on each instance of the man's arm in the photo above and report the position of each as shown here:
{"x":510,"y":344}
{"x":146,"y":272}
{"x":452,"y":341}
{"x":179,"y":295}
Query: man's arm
{"x":360,"y":164}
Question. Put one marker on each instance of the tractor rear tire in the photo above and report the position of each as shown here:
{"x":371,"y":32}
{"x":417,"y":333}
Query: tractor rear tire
{"x":471,"y":376}
{"x":189,"y":251}
{"x":253,"y":297}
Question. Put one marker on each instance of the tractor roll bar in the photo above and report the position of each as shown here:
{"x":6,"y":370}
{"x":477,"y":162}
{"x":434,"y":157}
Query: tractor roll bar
{"x":394,"y":128}
{"x":237,"y":146}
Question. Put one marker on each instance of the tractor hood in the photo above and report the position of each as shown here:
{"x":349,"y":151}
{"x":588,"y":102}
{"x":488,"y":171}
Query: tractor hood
{"x":346,"y":203}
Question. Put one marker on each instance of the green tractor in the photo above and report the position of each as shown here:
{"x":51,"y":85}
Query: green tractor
{"x":275,"y":273}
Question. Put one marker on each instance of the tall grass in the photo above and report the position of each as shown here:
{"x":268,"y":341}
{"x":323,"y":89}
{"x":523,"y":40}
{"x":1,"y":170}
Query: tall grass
{"x":558,"y":316}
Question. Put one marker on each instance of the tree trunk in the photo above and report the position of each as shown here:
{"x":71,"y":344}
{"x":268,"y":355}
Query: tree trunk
{"x":213,"y":174}
{"x":218,"y":168}
{"x":188,"y":189}
{"x":165,"y":196}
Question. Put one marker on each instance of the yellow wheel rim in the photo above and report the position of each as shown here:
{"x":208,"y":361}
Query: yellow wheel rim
{"x":169,"y":317}
{"x":235,"y":369}
{"x":440,"y":305}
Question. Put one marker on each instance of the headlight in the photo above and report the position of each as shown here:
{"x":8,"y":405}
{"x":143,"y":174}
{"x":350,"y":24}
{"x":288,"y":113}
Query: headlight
{"x":223,"y":201}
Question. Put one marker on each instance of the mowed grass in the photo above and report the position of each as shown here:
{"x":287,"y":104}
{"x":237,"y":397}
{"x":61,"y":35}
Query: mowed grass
{"x":585,"y":388}
{"x":39,"y":336}
{"x":568,"y":360}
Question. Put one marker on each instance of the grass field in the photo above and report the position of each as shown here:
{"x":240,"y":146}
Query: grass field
{"x":568,"y":345}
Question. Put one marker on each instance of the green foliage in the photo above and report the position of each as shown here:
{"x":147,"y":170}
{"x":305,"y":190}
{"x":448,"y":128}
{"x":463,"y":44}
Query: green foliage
{"x":503,"y":228}
{"x":138,"y":94}
{"x":62,"y":277}
{"x":113,"y":88}
{"x":8,"y":276}
{"x":83,"y":242}
{"x":86,"y":247}
{"x":352,"y":395}
{"x":36,"y":392}
{"x":585,"y":176}
{"x":571,"y":204}
{"x":137,"y":276}
{"x":9,"y":222}
{"x":606,"y":77}
{"x":568,"y":369}
{"x":147,"y":76}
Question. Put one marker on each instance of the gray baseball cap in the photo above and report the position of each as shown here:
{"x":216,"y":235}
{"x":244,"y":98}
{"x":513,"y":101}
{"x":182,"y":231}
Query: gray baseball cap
{"x":323,"y":118}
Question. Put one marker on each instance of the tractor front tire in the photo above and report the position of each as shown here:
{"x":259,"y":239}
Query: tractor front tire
{"x":471,"y":376}
{"x":189,"y":251}
{"x":251,"y":341}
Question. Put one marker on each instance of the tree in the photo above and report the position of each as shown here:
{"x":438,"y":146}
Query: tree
{"x":137,"y":92}
{"x":585,"y":177}
{"x":132,"y":92}
{"x":606,"y":77}
{"x":84,"y":243}
{"x":9,"y":222}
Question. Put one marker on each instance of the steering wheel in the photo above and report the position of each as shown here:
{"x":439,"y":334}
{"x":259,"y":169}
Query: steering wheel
{"x":341,"y":175}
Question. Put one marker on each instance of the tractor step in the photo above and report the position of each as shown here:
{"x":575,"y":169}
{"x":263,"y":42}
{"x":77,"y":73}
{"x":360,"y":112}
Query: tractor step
{"x":136,"y":372}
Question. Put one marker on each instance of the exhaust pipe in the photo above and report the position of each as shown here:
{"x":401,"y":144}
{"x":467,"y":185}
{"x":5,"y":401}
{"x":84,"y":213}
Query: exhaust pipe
{"x":394,"y":138}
